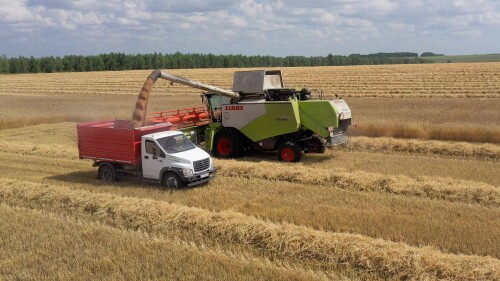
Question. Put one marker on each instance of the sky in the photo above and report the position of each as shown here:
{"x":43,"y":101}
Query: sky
{"x":249,"y":27}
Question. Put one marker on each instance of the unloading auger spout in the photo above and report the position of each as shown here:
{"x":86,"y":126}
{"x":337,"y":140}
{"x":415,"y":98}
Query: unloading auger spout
{"x":139,"y":115}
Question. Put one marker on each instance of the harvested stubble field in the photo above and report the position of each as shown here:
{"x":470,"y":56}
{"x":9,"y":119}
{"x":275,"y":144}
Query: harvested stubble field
{"x":413,"y":207}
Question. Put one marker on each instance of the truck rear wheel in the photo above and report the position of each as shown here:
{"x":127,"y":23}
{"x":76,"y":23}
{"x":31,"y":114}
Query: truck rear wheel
{"x":227,"y":144}
{"x":289,"y":152}
{"x":107,"y":172}
{"x":172,"y":180}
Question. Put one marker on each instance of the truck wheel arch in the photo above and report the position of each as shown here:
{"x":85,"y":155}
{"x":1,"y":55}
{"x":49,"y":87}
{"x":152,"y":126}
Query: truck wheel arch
{"x":172,"y":174}
{"x":166,"y":170}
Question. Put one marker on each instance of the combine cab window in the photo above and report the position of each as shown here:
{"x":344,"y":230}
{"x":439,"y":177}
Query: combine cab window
{"x":216,"y":102}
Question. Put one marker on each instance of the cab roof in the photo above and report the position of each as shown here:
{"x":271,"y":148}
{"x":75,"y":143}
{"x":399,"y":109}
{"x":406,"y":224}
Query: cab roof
{"x":163,"y":134}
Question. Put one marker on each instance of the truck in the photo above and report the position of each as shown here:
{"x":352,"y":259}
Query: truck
{"x":155,"y":152}
{"x":259,"y":113}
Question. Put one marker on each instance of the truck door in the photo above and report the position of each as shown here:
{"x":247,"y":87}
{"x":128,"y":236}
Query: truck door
{"x":152,"y":160}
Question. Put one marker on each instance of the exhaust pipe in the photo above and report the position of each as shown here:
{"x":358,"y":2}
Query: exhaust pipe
{"x":139,"y":115}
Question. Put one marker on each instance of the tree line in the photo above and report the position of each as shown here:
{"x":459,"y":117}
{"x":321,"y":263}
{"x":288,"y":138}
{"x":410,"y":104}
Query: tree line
{"x":121,"y":61}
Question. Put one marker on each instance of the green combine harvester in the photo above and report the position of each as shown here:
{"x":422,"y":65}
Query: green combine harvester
{"x":260,"y":114}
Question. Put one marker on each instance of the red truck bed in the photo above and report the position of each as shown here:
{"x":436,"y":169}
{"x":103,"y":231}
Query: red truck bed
{"x":114,"y":140}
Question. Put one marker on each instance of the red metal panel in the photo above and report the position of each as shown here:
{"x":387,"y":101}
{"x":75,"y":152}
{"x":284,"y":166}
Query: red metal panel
{"x":113,"y":140}
{"x":182,"y":118}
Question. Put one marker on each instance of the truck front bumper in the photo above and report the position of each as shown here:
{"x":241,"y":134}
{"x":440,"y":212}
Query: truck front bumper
{"x":199,"y":178}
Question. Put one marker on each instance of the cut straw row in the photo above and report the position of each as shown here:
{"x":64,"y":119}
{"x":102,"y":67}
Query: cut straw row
{"x":429,"y":147}
{"x":275,"y":240}
{"x":436,"y":188}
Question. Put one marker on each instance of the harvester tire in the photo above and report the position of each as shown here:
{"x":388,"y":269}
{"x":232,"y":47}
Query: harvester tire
{"x":107,"y":172}
{"x":172,"y":180}
{"x":228,"y":144}
{"x":289,"y":152}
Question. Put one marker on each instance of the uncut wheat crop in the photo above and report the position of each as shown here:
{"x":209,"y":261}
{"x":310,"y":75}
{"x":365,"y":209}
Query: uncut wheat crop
{"x":414,"y":196}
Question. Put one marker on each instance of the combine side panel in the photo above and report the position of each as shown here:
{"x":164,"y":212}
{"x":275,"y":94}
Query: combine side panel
{"x":279,"y":118}
{"x":318,"y":116}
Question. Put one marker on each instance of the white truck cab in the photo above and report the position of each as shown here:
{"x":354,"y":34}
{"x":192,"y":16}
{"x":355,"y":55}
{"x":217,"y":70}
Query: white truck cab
{"x":171,"y":158}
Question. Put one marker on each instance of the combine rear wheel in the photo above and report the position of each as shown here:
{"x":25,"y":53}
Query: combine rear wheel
{"x":289,"y":152}
{"x":227,"y":144}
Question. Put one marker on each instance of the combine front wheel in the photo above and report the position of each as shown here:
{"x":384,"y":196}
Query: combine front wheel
{"x":227,"y":144}
{"x":289,"y":152}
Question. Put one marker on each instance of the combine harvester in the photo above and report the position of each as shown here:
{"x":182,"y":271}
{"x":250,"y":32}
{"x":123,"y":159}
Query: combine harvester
{"x":259,"y":113}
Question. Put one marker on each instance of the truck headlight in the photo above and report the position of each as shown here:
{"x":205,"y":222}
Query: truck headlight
{"x":187,"y":172}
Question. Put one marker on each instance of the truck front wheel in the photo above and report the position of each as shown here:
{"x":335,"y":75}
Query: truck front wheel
{"x":172,"y":180}
{"x":107,"y":172}
{"x":289,"y":152}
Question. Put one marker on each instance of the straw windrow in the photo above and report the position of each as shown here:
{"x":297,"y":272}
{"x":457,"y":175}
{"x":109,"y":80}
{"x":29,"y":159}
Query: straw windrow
{"x":435,"y":188}
{"x":282,"y":241}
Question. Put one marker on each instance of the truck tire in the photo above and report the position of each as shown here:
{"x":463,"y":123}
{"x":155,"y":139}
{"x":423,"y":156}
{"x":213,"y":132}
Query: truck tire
{"x":228,"y":144}
{"x":107,"y":172}
{"x":172,"y":180}
{"x":289,"y":152}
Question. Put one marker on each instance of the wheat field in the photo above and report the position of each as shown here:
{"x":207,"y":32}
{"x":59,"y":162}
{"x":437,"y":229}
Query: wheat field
{"x":416,"y":195}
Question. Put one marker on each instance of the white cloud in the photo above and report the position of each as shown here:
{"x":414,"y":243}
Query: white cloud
{"x":326,"y":17}
{"x":254,"y":9}
{"x":295,"y":27}
{"x":228,"y":33}
{"x":401,"y":27}
{"x":14,"y":11}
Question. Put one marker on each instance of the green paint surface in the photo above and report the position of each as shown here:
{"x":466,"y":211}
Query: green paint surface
{"x":317,"y":116}
{"x":280,"y":118}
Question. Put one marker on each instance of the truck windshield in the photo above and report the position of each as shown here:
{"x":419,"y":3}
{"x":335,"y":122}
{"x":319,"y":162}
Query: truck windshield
{"x":177,"y":143}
